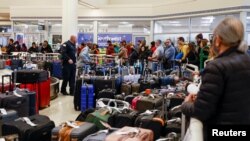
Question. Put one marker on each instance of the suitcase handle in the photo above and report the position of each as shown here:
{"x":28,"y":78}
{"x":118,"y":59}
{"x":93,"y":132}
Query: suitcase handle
{"x":3,"y":82}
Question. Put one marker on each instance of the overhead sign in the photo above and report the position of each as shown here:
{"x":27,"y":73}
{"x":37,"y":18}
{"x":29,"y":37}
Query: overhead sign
{"x":114,"y":38}
{"x":85,"y":37}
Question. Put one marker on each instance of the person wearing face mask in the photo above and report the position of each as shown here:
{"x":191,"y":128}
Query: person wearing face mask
{"x":223,"y":98}
{"x":68,"y":51}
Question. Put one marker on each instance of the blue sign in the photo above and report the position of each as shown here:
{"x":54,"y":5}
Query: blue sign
{"x":114,"y":38}
{"x":85,"y":37}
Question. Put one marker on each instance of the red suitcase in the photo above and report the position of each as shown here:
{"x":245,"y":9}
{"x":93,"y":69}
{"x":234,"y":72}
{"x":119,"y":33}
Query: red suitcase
{"x":32,"y":87}
{"x":8,"y":62}
{"x":44,"y":93}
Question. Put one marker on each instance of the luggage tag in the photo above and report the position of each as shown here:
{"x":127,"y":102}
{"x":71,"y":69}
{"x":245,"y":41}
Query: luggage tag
{"x":16,"y":94}
{"x":28,"y":121}
{"x":128,"y":132}
{"x":71,"y":124}
{"x":3,"y":111}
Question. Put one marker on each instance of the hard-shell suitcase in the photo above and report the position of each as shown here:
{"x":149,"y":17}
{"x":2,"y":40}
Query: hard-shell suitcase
{"x":57,"y":69}
{"x":44,"y":93}
{"x":19,"y":103}
{"x":107,"y":93}
{"x":150,"y":102}
{"x":131,"y":134}
{"x":31,"y":76}
{"x":66,"y":132}
{"x":33,"y":128}
{"x":6,"y":87}
{"x":98,"y":136}
{"x":87,"y":97}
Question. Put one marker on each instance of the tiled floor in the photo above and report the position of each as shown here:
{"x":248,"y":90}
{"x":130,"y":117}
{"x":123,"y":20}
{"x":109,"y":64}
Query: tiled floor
{"x":61,"y":109}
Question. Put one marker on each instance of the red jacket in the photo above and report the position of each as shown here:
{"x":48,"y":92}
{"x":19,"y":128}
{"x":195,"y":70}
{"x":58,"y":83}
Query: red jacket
{"x":110,"y":50}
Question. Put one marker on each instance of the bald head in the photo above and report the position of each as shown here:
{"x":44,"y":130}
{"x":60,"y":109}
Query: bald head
{"x":73,"y":39}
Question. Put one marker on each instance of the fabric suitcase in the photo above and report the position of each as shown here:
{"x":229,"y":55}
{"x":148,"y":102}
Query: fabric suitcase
{"x":32,"y":100}
{"x":2,"y":64}
{"x":6,"y":87}
{"x":135,"y":87}
{"x":144,"y":85}
{"x":5,"y":116}
{"x":126,"y":88}
{"x":32,"y":87}
{"x":107,"y":93}
{"x":100,"y":84}
{"x":129,"y":98}
{"x":126,"y":118}
{"x":66,"y":132}
{"x":44,"y":93}
{"x":30,"y":76}
{"x":18,"y":103}
{"x":131,"y":134}
{"x":87,"y":97}
{"x":98,"y":116}
{"x":83,"y":115}
{"x":16,"y":64}
{"x":149,"y":103}
{"x":28,"y":132}
{"x":57,"y":69}
{"x":152,"y":122}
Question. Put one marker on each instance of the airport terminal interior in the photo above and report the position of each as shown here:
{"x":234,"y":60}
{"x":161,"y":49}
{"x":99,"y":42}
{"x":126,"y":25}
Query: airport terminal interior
{"x":124,"y":70}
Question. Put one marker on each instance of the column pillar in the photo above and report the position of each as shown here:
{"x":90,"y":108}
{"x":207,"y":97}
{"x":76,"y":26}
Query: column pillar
{"x":69,"y":18}
{"x":95,"y":30}
{"x":152,"y":28}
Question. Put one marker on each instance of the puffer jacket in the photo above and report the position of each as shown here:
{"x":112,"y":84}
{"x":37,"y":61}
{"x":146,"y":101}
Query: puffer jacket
{"x":224,"y":96}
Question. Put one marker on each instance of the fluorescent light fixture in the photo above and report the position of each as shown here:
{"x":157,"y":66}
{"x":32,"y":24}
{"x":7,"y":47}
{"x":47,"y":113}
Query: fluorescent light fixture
{"x":104,"y":25}
{"x":208,"y":18}
{"x":86,"y":4}
{"x":26,"y":26}
{"x":82,"y":25}
{"x":174,"y":22}
{"x":57,"y":24}
{"x":206,"y":22}
{"x":248,"y":18}
{"x":3,"y":30}
{"x":124,"y":22}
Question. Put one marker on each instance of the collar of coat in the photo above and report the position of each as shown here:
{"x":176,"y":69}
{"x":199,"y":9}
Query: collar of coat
{"x":228,"y":52}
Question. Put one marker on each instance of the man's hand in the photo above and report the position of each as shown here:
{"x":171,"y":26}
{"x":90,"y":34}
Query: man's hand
{"x":70,"y":61}
{"x":191,"y":98}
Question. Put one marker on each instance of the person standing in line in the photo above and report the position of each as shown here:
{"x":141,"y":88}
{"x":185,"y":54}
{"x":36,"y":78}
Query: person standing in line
{"x":68,"y":51}
{"x":110,"y":49}
{"x":223,"y":98}
{"x":169,"y":55}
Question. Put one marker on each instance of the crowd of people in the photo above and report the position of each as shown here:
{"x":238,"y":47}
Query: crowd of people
{"x":14,"y":46}
{"x":165,"y":53}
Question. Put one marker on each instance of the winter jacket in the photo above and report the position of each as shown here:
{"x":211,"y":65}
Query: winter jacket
{"x":224,"y":93}
{"x":204,"y":52}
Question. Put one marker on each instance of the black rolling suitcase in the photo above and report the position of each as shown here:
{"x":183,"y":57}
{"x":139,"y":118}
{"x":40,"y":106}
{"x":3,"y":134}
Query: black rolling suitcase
{"x":77,"y":132}
{"x":107,"y":93}
{"x":17,"y":102}
{"x":125,"y":118}
{"x":34,"y":128}
{"x":5,"y":116}
{"x":30,"y":76}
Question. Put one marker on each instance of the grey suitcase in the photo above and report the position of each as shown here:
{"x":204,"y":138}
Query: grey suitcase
{"x":2,"y":64}
{"x":76,"y":134}
{"x":5,"y":116}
